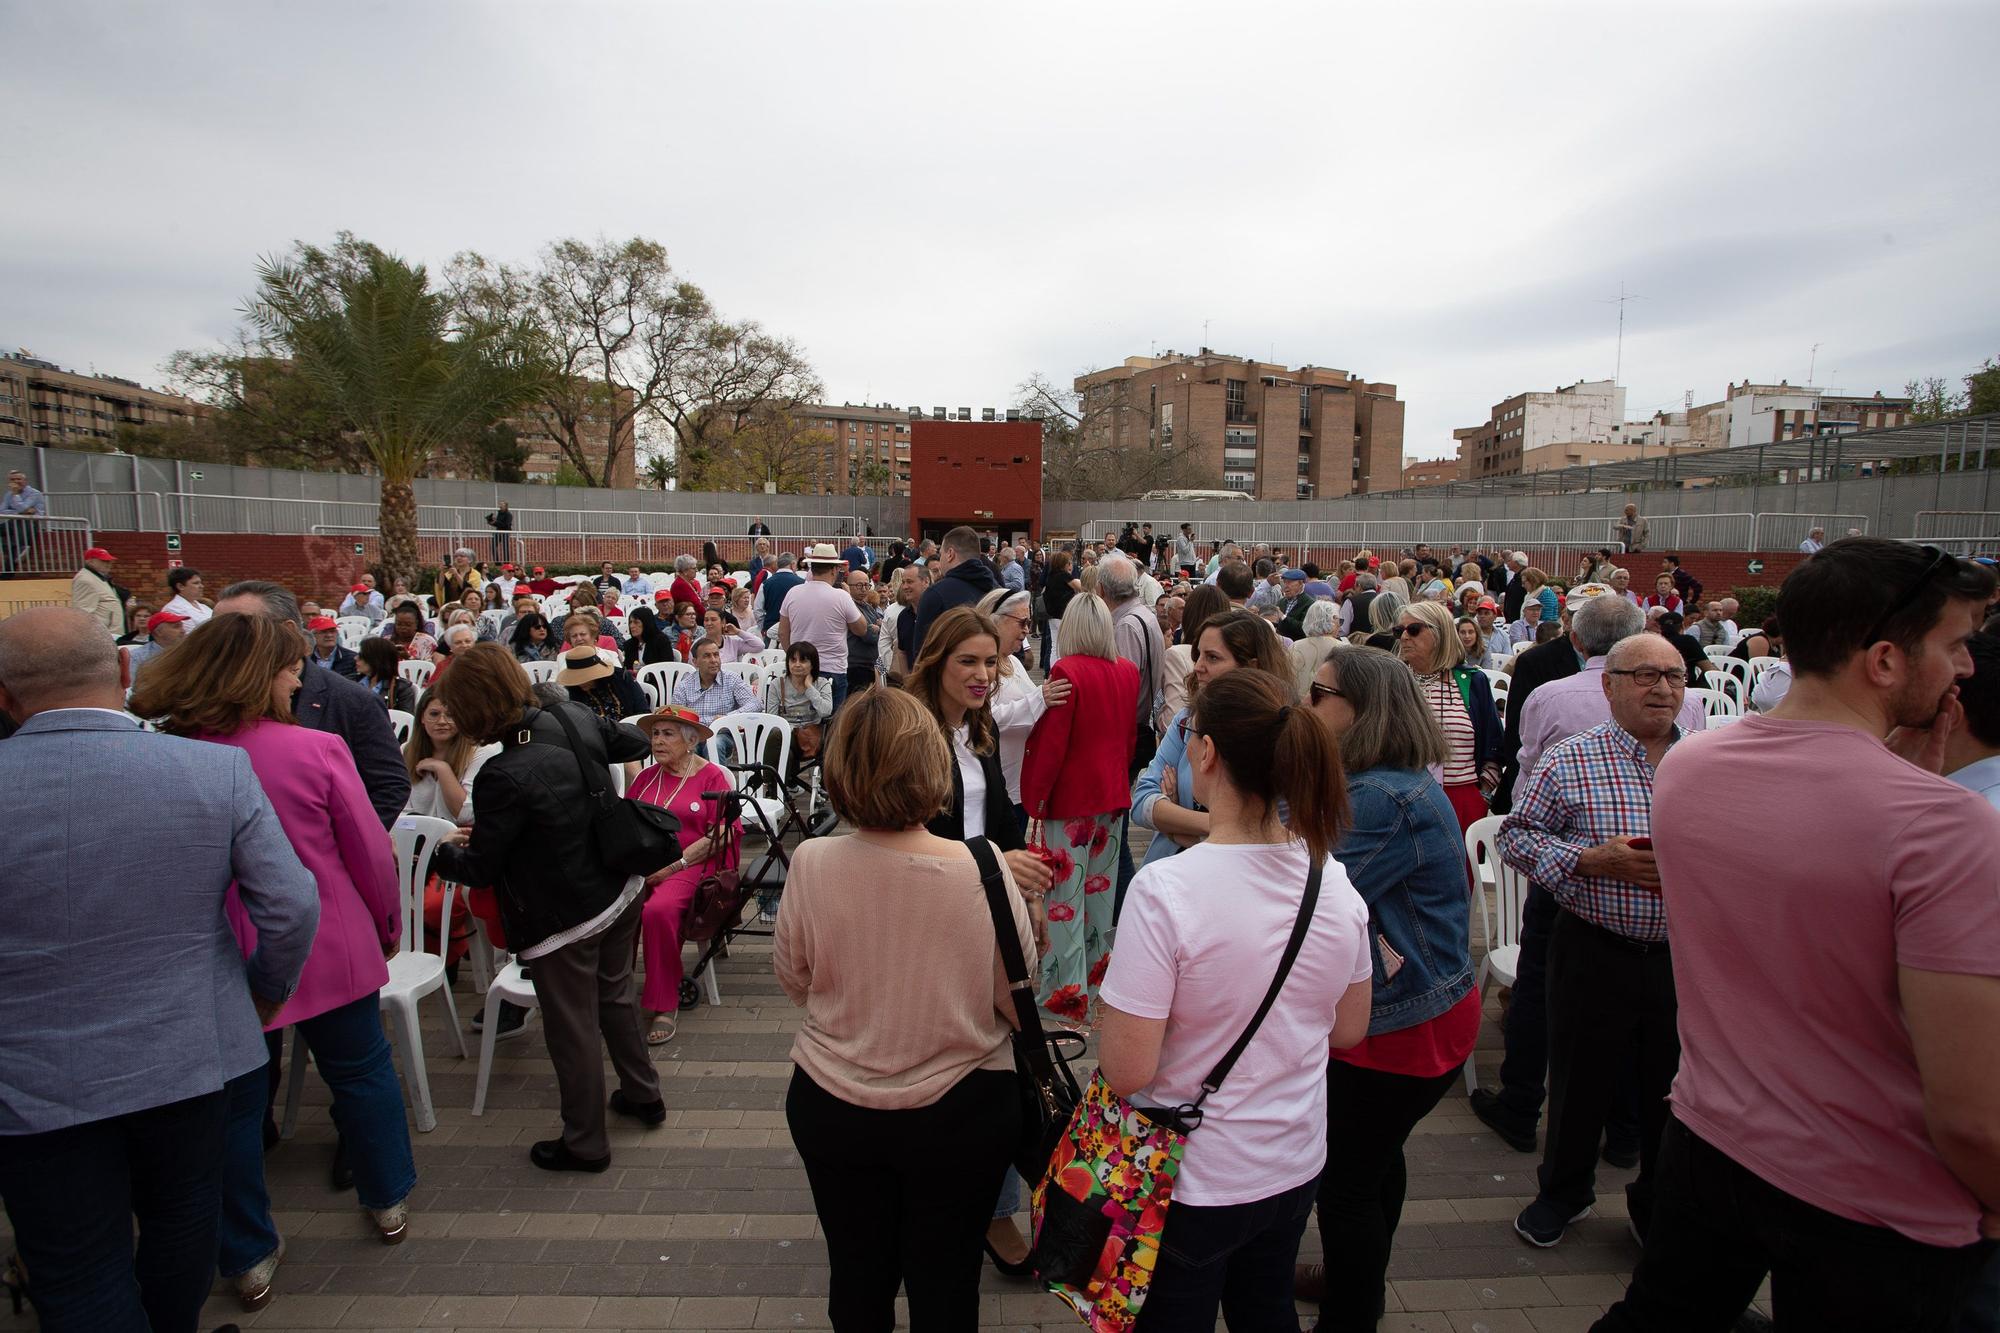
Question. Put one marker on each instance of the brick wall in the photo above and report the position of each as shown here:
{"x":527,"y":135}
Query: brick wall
{"x":313,"y":567}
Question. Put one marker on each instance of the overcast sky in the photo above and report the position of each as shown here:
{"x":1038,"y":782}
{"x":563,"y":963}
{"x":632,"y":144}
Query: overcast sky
{"x":939,"y":199}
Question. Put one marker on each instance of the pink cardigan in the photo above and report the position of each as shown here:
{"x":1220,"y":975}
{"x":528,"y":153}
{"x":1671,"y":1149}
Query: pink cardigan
{"x":312,"y":783}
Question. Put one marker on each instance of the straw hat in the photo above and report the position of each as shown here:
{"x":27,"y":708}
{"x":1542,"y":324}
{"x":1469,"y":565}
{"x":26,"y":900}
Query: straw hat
{"x":687,"y":717}
{"x":582,"y":666}
{"x":822,"y":554}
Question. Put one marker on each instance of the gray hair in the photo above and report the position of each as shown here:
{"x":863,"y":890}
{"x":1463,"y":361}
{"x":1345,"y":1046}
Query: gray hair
{"x":1382,"y":612}
{"x":1086,"y":630}
{"x":1365,"y":582}
{"x":548,"y":694}
{"x":465,"y":551}
{"x":55,"y":652}
{"x":683,"y":563}
{"x":1602,"y":622}
{"x":1117,"y":580}
{"x":1001,"y":602}
{"x":278,"y":601}
{"x":1320,"y":619}
{"x":458,"y":630}
{"x":785,"y":559}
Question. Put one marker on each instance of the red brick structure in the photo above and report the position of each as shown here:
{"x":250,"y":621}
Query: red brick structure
{"x":984,"y":474}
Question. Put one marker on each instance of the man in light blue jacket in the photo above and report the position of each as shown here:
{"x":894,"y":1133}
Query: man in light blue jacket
{"x":125,"y":1001}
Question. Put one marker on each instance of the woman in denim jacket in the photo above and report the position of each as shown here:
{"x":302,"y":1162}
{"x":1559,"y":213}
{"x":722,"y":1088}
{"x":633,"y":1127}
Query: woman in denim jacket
{"x":1406,"y":858}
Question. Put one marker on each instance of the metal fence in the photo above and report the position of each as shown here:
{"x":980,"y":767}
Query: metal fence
{"x":41,"y":545}
{"x":533,"y":547}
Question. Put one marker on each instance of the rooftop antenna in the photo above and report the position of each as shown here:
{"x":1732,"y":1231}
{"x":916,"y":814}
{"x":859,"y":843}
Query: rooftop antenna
{"x":1204,"y":335}
{"x":1813,"y":363}
{"x":1618,"y":367}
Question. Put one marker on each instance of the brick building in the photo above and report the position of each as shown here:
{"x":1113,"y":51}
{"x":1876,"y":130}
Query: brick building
{"x":1749,"y":414}
{"x":1275,"y":432}
{"x":43,"y":404}
{"x":1430,"y":472}
{"x":870,"y":450}
{"x":984,"y":474}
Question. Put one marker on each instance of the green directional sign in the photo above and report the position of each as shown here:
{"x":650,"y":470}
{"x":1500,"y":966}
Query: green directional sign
{"x":173,"y":541}
{"x":1756,"y":566}
{"x":196,"y":474}
{"x":357,"y":548}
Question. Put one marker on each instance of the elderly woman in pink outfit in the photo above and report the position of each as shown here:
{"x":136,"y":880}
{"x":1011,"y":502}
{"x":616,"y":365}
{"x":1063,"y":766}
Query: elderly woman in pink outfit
{"x":232,"y":683}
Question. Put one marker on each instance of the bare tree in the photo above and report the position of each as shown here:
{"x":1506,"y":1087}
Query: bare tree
{"x":631,"y":349}
{"x":1083,"y":457}
{"x":749,"y":447}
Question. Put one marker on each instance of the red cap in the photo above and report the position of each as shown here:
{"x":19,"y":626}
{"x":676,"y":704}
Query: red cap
{"x":1374,"y":562}
{"x":159,"y":618}
{"x":538,"y":569}
{"x":663,"y":595}
{"x":359,"y":587}
{"x":1487,"y":604}
{"x":318,"y":623}
{"x":506,"y":569}
{"x":98,"y":553}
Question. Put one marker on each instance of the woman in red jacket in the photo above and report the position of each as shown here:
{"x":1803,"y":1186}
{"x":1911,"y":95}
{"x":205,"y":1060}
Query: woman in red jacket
{"x":1073,"y":779}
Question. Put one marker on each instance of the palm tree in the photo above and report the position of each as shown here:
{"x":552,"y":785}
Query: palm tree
{"x":366,"y":328}
{"x":659,"y":471}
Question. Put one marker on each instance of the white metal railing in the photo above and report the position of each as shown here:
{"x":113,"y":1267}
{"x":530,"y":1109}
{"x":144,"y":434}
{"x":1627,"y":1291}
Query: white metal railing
{"x":115,"y":511}
{"x":39,"y":545}
{"x":1784,"y":532}
{"x":1968,"y":525}
{"x":526,"y":548}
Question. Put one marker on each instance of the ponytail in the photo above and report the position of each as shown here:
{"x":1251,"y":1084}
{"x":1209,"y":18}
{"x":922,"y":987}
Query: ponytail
{"x":1275,"y":750}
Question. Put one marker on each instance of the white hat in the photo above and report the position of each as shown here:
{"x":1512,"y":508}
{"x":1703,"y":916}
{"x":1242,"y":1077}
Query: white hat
{"x":822,"y":554}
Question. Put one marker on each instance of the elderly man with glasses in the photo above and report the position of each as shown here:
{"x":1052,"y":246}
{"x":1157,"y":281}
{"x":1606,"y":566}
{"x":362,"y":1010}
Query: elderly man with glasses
{"x":20,"y":505}
{"x":1582,"y":830}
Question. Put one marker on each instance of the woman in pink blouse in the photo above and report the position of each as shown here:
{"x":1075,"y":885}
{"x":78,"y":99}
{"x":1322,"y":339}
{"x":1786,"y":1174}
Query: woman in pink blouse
{"x":231,"y":682}
{"x":675,"y":780}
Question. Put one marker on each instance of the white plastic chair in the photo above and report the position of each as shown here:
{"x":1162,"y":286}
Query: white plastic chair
{"x":771,"y":659}
{"x":1728,"y":683}
{"x":417,"y":672}
{"x":1759,"y":665}
{"x":1523,"y":647}
{"x":1715,"y":703}
{"x":1721,"y":720}
{"x":1503,"y":928}
{"x":541,"y":673}
{"x":1736,"y":667}
{"x":352,"y":630}
{"x":509,"y":984}
{"x":403,"y":724}
{"x":660,"y":678}
{"x":413,"y":974}
{"x":1717,"y":653}
{"x":751,"y":734}
{"x":1500,"y":680}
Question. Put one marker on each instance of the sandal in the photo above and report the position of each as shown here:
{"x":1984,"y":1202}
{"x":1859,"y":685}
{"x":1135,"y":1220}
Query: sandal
{"x":662,"y":1030}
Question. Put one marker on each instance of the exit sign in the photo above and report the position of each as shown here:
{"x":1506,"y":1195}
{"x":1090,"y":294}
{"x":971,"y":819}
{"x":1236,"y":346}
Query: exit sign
{"x":173,"y":541}
{"x":357,"y":548}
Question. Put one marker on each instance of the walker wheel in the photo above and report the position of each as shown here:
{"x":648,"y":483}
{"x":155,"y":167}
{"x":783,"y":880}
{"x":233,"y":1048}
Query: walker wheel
{"x":690,"y":995}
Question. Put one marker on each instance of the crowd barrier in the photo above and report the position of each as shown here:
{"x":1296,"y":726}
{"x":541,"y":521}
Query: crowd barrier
{"x":39,"y":545}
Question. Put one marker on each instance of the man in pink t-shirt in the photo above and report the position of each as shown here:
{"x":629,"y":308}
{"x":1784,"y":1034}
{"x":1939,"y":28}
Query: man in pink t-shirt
{"x":1834,"y":1116}
{"x":822,"y":613}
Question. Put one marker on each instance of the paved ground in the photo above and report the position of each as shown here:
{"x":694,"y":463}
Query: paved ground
{"x":707,"y":1223}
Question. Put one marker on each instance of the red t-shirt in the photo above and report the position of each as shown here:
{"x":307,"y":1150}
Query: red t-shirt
{"x":1434,"y":1046}
{"x":1795,"y":1058}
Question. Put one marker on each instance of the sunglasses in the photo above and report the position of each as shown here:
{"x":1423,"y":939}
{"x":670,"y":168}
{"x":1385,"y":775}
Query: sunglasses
{"x":1939,"y":560}
{"x":1412,"y":629}
{"x":1320,"y":691}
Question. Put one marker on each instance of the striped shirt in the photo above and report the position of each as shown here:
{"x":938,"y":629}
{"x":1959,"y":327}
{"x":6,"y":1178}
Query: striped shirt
{"x":1441,"y":693}
{"x":1591,"y":788}
{"x":729,"y":694}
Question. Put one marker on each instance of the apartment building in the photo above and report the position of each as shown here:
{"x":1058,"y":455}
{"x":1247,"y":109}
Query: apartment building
{"x":870,"y":450}
{"x":1430,"y":472}
{"x":43,"y":404}
{"x":1749,"y":414}
{"x":1587,"y":412}
{"x":1275,"y":432}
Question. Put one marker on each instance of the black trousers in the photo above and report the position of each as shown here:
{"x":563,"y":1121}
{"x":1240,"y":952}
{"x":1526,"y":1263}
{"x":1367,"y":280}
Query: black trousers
{"x":1369,"y":1116}
{"x":1718,"y":1229}
{"x":72,"y":1195}
{"x":905,"y":1197}
{"x":1234,"y":1257}
{"x":1611,"y":1003}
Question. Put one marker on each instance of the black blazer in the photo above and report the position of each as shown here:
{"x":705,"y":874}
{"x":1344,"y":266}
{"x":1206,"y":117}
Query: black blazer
{"x":1532,"y":670}
{"x":533,"y":843}
{"x":1003,"y":826}
{"x":343,"y":663}
{"x":1511,"y":597}
{"x":326,"y":702}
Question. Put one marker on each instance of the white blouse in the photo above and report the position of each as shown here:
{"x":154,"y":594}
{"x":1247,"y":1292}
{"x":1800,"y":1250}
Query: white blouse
{"x":427,"y":798}
{"x":973,"y":778}
{"x":1017,"y":706}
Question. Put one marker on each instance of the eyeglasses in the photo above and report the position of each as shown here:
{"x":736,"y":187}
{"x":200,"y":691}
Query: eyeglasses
{"x":1647,"y":677}
{"x":1939,"y":560}
{"x":1320,"y":691}
{"x":1413,"y":628}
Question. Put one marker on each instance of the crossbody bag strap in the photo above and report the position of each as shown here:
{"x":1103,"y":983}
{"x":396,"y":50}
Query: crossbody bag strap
{"x":594,"y":789}
{"x":1300,"y":926}
{"x":1026,"y":1012}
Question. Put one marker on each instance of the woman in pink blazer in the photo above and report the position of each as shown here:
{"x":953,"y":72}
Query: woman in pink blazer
{"x":232,"y":682}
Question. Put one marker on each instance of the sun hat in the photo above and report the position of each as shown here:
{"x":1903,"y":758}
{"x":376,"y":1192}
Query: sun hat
{"x":583,"y":666}
{"x":822,"y":554}
{"x":687,"y":717}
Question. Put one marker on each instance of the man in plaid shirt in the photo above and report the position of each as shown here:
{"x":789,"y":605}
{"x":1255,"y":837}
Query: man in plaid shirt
{"x":1610,"y":979}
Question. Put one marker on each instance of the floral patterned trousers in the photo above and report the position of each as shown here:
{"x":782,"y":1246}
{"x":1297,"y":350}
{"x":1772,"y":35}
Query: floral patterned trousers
{"x":1080,"y":903}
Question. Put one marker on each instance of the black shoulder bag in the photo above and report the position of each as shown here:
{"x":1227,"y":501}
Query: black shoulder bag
{"x":1049,"y":1091}
{"x":633,"y":837}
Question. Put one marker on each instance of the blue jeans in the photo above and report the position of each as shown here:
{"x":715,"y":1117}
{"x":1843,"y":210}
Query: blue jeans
{"x":72,"y":1195}
{"x":1236,"y":1256}
{"x":839,"y":690}
{"x":353,"y":1057}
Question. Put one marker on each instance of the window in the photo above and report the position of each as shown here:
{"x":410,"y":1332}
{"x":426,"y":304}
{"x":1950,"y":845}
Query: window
{"x":1166,"y":425}
{"x":1233,"y":402}
{"x":1305,"y":409}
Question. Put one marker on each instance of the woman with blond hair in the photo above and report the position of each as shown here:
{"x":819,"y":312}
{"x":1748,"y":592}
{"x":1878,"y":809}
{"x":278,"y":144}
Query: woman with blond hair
{"x":893,"y":1082}
{"x":1461,"y":698}
{"x":231,"y":682}
{"x":1073,"y":782}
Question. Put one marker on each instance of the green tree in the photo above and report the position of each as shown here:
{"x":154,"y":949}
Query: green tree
{"x":1081,"y":459}
{"x":1982,"y":387}
{"x":1933,"y":399}
{"x":496,"y":454}
{"x":628,"y":344}
{"x":266,"y":414}
{"x":367,"y":329}
{"x":659,"y":470}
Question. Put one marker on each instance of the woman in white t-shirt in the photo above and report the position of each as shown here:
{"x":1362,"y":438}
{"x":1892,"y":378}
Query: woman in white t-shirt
{"x":1199,"y":941}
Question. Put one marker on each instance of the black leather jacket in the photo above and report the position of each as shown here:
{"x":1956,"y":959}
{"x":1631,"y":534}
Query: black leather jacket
{"x":531,"y":838}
